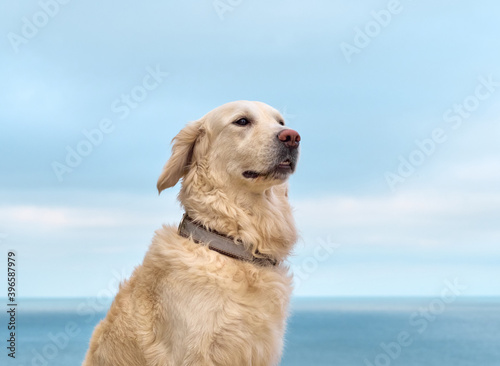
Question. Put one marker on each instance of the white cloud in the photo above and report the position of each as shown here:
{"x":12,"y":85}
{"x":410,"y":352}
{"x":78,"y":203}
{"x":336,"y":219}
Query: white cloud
{"x":91,"y":211}
{"x":412,"y":217}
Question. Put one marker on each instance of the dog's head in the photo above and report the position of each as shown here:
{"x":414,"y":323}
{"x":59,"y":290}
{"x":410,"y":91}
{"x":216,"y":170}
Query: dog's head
{"x":244,"y":144}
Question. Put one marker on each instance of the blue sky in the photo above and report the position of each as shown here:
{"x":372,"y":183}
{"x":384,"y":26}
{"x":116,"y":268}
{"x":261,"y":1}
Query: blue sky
{"x":430,"y":74}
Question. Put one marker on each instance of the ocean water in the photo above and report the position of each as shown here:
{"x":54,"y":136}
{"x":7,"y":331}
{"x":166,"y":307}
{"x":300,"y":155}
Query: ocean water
{"x":334,"y":331}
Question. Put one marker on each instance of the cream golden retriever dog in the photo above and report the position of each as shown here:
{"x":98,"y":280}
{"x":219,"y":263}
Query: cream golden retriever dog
{"x":188,"y":304}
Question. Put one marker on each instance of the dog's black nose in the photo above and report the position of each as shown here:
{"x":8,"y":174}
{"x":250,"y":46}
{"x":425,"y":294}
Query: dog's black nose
{"x":290,"y":138}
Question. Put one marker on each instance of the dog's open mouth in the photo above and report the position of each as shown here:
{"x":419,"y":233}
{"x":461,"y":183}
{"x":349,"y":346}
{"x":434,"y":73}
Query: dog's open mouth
{"x":285,"y":166}
{"x":280,"y":171}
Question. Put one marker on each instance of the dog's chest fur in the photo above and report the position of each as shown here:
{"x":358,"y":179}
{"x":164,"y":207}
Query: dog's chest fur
{"x":215,"y":310}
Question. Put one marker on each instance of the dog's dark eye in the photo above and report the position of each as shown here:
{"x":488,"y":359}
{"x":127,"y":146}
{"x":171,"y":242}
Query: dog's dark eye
{"x":281,"y":123}
{"x":241,"y":122}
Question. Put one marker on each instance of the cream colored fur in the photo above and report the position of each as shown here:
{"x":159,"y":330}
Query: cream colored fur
{"x":186,"y":304}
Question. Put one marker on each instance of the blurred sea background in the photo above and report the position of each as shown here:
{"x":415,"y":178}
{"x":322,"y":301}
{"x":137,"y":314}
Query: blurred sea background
{"x":321,"y":331}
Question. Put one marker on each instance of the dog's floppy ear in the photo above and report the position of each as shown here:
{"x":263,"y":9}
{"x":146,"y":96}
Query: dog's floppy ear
{"x":182,"y":153}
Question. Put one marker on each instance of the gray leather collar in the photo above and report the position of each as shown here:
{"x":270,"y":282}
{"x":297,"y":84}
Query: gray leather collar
{"x":220,"y":243}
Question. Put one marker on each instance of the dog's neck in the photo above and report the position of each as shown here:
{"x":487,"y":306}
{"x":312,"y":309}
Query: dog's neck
{"x":263,"y":222}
